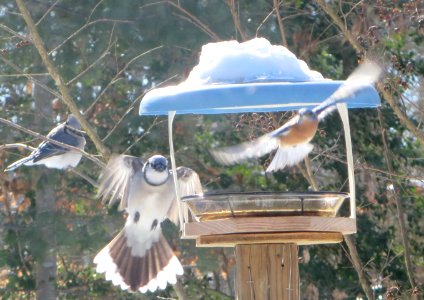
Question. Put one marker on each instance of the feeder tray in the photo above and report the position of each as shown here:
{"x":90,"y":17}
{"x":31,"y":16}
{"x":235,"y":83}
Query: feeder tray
{"x":266,"y":204}
{"x":226,"y":220}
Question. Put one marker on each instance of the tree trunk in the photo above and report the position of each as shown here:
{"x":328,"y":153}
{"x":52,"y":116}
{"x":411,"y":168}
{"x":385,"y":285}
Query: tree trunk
{"x":45,"y":206}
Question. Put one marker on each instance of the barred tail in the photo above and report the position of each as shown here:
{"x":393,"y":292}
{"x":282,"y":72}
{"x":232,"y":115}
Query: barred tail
{"x":157,"y":266}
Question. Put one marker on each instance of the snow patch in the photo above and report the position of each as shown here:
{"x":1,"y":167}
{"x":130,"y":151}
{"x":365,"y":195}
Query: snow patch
{"x":255,"y":60}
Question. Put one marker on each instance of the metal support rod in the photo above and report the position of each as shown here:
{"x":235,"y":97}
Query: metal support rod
{"x":171,"y":115}
{"x":343,"y":111}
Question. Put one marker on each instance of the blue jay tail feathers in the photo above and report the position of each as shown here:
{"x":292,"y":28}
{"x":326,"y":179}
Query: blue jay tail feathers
{"x":157,"y":267}
{"x":19,"y":163}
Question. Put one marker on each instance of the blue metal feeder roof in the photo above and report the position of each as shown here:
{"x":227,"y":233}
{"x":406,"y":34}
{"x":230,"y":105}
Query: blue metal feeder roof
{"x":249,"y":97}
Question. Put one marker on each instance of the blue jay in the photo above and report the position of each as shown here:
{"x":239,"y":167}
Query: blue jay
{"x":292,"y":139}
{"x":139,"y":257}
{"x":55,"y":156}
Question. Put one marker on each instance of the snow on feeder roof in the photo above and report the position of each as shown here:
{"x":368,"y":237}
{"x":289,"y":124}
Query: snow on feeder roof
{"x":253,"y":76}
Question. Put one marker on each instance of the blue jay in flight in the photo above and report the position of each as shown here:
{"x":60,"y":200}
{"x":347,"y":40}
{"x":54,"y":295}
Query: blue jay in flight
{"x":139,"y":257}
{"x":55,"y":156}
{"x":292,"y":139}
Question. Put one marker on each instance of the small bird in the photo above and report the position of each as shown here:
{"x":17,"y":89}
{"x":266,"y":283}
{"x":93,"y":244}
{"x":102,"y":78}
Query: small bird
{"x":139,"y":257}
{"x":55,"y":156}
{"x":292,"y":139}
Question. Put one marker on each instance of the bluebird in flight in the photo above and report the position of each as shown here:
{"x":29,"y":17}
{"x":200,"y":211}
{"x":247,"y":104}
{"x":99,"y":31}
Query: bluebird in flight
{"x":55,"y":156}
{"x":292,"y":139}
{"x":139,"y":257}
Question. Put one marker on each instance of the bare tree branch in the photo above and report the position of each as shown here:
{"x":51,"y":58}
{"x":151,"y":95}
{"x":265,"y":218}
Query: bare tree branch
{"x":37,"y":82}
{"x":39,"y":44}
{"x":47,"y":12}
{"x":386,"y":94}
{"x":94,"y":9}
{"x":106,"y":52}
{"x":135,"y":102}
{"x":280,"y":22}
{"x":16,"y":145}
{"x":399,"y":207}
{"x":83,"y":27}
{"x":195,"y":20}
{"x":116,"y":77}
{"x":236,"y":19}
{"x":357,"y":264}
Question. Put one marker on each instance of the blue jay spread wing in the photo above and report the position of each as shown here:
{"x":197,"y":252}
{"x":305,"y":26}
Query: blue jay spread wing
{"x":188,"y":184}
{"x":366,"y":74}
{"x":116,"y":178}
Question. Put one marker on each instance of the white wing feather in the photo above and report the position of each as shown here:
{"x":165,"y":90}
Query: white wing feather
{"x":116,"y":177}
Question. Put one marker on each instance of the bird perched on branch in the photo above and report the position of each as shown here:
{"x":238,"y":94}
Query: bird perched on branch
{"x":292,"y":139}
{"x":55,"y":156}
{"x":139,"y":257}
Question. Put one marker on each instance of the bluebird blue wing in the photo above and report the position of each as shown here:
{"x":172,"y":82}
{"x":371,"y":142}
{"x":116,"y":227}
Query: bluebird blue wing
{"x":364,"y":75}
{"x":257,"y":148}
{"x":116,"y":177}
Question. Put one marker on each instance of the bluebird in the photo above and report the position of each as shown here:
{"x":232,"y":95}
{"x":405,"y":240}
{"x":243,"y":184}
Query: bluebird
{"x":55,"y":156}
{"x":292,"y":139}
{"x":139,"y":257}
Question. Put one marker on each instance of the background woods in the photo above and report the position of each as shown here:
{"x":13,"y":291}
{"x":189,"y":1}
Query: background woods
{"x":100,"y":57}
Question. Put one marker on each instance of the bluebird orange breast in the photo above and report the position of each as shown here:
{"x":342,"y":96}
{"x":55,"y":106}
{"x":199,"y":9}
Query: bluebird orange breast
{"x":300,"y":133}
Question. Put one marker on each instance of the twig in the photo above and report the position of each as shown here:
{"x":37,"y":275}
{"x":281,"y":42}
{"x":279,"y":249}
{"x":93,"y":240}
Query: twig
{"x":132,"y":107}
{"x":342,"y":26}
{"x":39,"y":44}
{"x":106,"y":52}
{"x":44,"y":138}
{"x":356,"y":262}
{"x":17,"y":145}
{"x":155,"y":122}
{"x":24,"y":75}
{"x":280,"y":22}
{"x":400,"y":114}
{"x":94,"y":9}
{"x":118,"y":75}
{"x":195,"y":21}
{"x":13,"y":32}
{"x":236,"y":19}
{"x":37,"y":82}
{"x":82,"y":175}
{"x":82,"y":28}
{"x":46,"y":13}
{"x":399,"y":207}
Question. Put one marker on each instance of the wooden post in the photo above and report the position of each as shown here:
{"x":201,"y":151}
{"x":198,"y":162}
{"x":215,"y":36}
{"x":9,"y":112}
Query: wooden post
{"x":267,"y":272}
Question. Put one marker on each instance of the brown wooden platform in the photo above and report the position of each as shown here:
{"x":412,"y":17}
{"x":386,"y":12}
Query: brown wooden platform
{"x":299,"y":238}
{"x":302,"y":230}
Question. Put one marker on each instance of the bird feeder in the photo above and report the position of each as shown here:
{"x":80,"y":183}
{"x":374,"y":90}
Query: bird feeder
{"x":265,"y":227}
